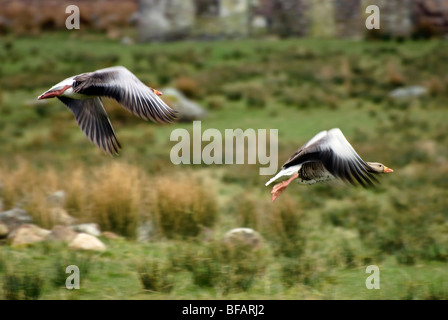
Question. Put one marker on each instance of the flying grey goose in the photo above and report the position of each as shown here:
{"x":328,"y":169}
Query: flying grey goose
{"x":82,"y":95}
{"x":327,"y":156}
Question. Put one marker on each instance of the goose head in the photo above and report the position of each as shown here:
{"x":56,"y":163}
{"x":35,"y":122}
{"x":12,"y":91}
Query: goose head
{"x":62,"y":88}
{"x":376,"y":167}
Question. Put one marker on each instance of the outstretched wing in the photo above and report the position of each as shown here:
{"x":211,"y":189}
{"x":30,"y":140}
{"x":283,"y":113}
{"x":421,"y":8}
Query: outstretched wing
{"x":122,"y":85}
{"x":94,"y":122}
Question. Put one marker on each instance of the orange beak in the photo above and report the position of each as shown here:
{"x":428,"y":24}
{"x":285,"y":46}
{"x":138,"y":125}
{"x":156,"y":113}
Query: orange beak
{"x":387,"y":170}
{"x":157,"y":92}
{"x":54,"y":93}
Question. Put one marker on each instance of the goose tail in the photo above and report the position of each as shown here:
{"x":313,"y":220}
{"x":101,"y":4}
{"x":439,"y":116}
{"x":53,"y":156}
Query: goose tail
{"x":284,"y":172}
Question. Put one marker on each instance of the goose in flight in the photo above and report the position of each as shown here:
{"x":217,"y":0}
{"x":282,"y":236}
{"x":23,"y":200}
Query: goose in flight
{"x":327,"y":156}
{"x":82,"y":95}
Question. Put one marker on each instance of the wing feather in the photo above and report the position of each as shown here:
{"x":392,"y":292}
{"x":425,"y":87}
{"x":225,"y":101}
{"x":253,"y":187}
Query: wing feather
{"x":123,"y":86}
{"x":94,"y":122}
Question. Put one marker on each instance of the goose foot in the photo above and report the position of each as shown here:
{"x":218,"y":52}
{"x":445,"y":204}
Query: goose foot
{"x":280,"y":187}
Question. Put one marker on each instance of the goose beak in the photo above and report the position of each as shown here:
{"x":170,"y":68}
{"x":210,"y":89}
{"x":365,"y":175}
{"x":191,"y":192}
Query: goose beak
{"x":387,"y":170}
{"x":47,"y":95}
{"x":53,"y":93}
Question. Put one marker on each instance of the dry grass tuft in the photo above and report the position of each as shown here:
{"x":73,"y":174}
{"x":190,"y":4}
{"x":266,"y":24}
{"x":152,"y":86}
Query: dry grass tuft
{"x":183,"y":206}
{"x":394,"y":76}
{"x":283,"y":227}
{"x":115,"y":194}
{"x":110,"y":194}
{"x":188,"y":86}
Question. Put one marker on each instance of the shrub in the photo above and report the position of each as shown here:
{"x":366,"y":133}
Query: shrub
{"x":255,"y":95}
{"x":32,"y":286}
{"x":83,"y":260}
{"x":240,"y":265}
{"x":26,"y":186}
{"x":425,"y":30}
{"x":12,"y":287}
{"x":216,"y":102}
{"x":205,"y":271}
{"x":76,"y":200}
{"x":110,"y":194}
{"x":233,"y":91}
{"x":294,"y":97}
{"x":283,"y":227}
{"x":154,"y":277}
{"x":297,"y":270}
{"x":24,"y":286}
{"x":245,"y":207}
{"x":188,"y":86}
{"x":394,"y":76}
{"x":227,"y":268}
{"x":183,"y":206}
{"x":115,"y":194}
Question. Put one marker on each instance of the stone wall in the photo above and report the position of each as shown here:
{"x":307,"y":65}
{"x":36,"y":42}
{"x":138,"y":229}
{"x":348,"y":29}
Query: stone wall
{"x":432,"y":14}
{"x":286,"y":17}
{"x":161,"y":20}
{"x":349,"y":18}
{"x":34,"y":16}
{"x":315,"y":18}
{"x":396,"y":16}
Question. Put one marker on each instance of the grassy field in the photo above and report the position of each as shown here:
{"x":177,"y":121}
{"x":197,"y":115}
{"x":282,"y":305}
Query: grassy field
{"x":317,"y":240}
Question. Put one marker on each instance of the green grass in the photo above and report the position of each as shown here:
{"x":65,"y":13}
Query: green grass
{"x":114,"y":275}
{"x":298,"y":86}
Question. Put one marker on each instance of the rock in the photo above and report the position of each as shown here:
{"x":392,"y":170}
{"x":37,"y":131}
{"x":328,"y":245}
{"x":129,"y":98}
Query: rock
{"x":15,"y":217}
{"x":234,"y":17}
{"x":57,"y":199}
{"x":188,"y":110}
{"x":243,"y":236}
{"x":113,"y":33}
{"x":110,"y":235}
{"x":62,"y":233}
{"x":89,"y":228}
{"x":61,"y":217}
{"x":408,"y":92}
{"x":151,"y":21}
{"x":3,"y":230}
{"x":322,"y":14}
{"x":164,"y":20}
{"x":27,"y":234}
{"x":126,"y":41}
{"x":145,"y":231}
{"x":84,"y":241}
